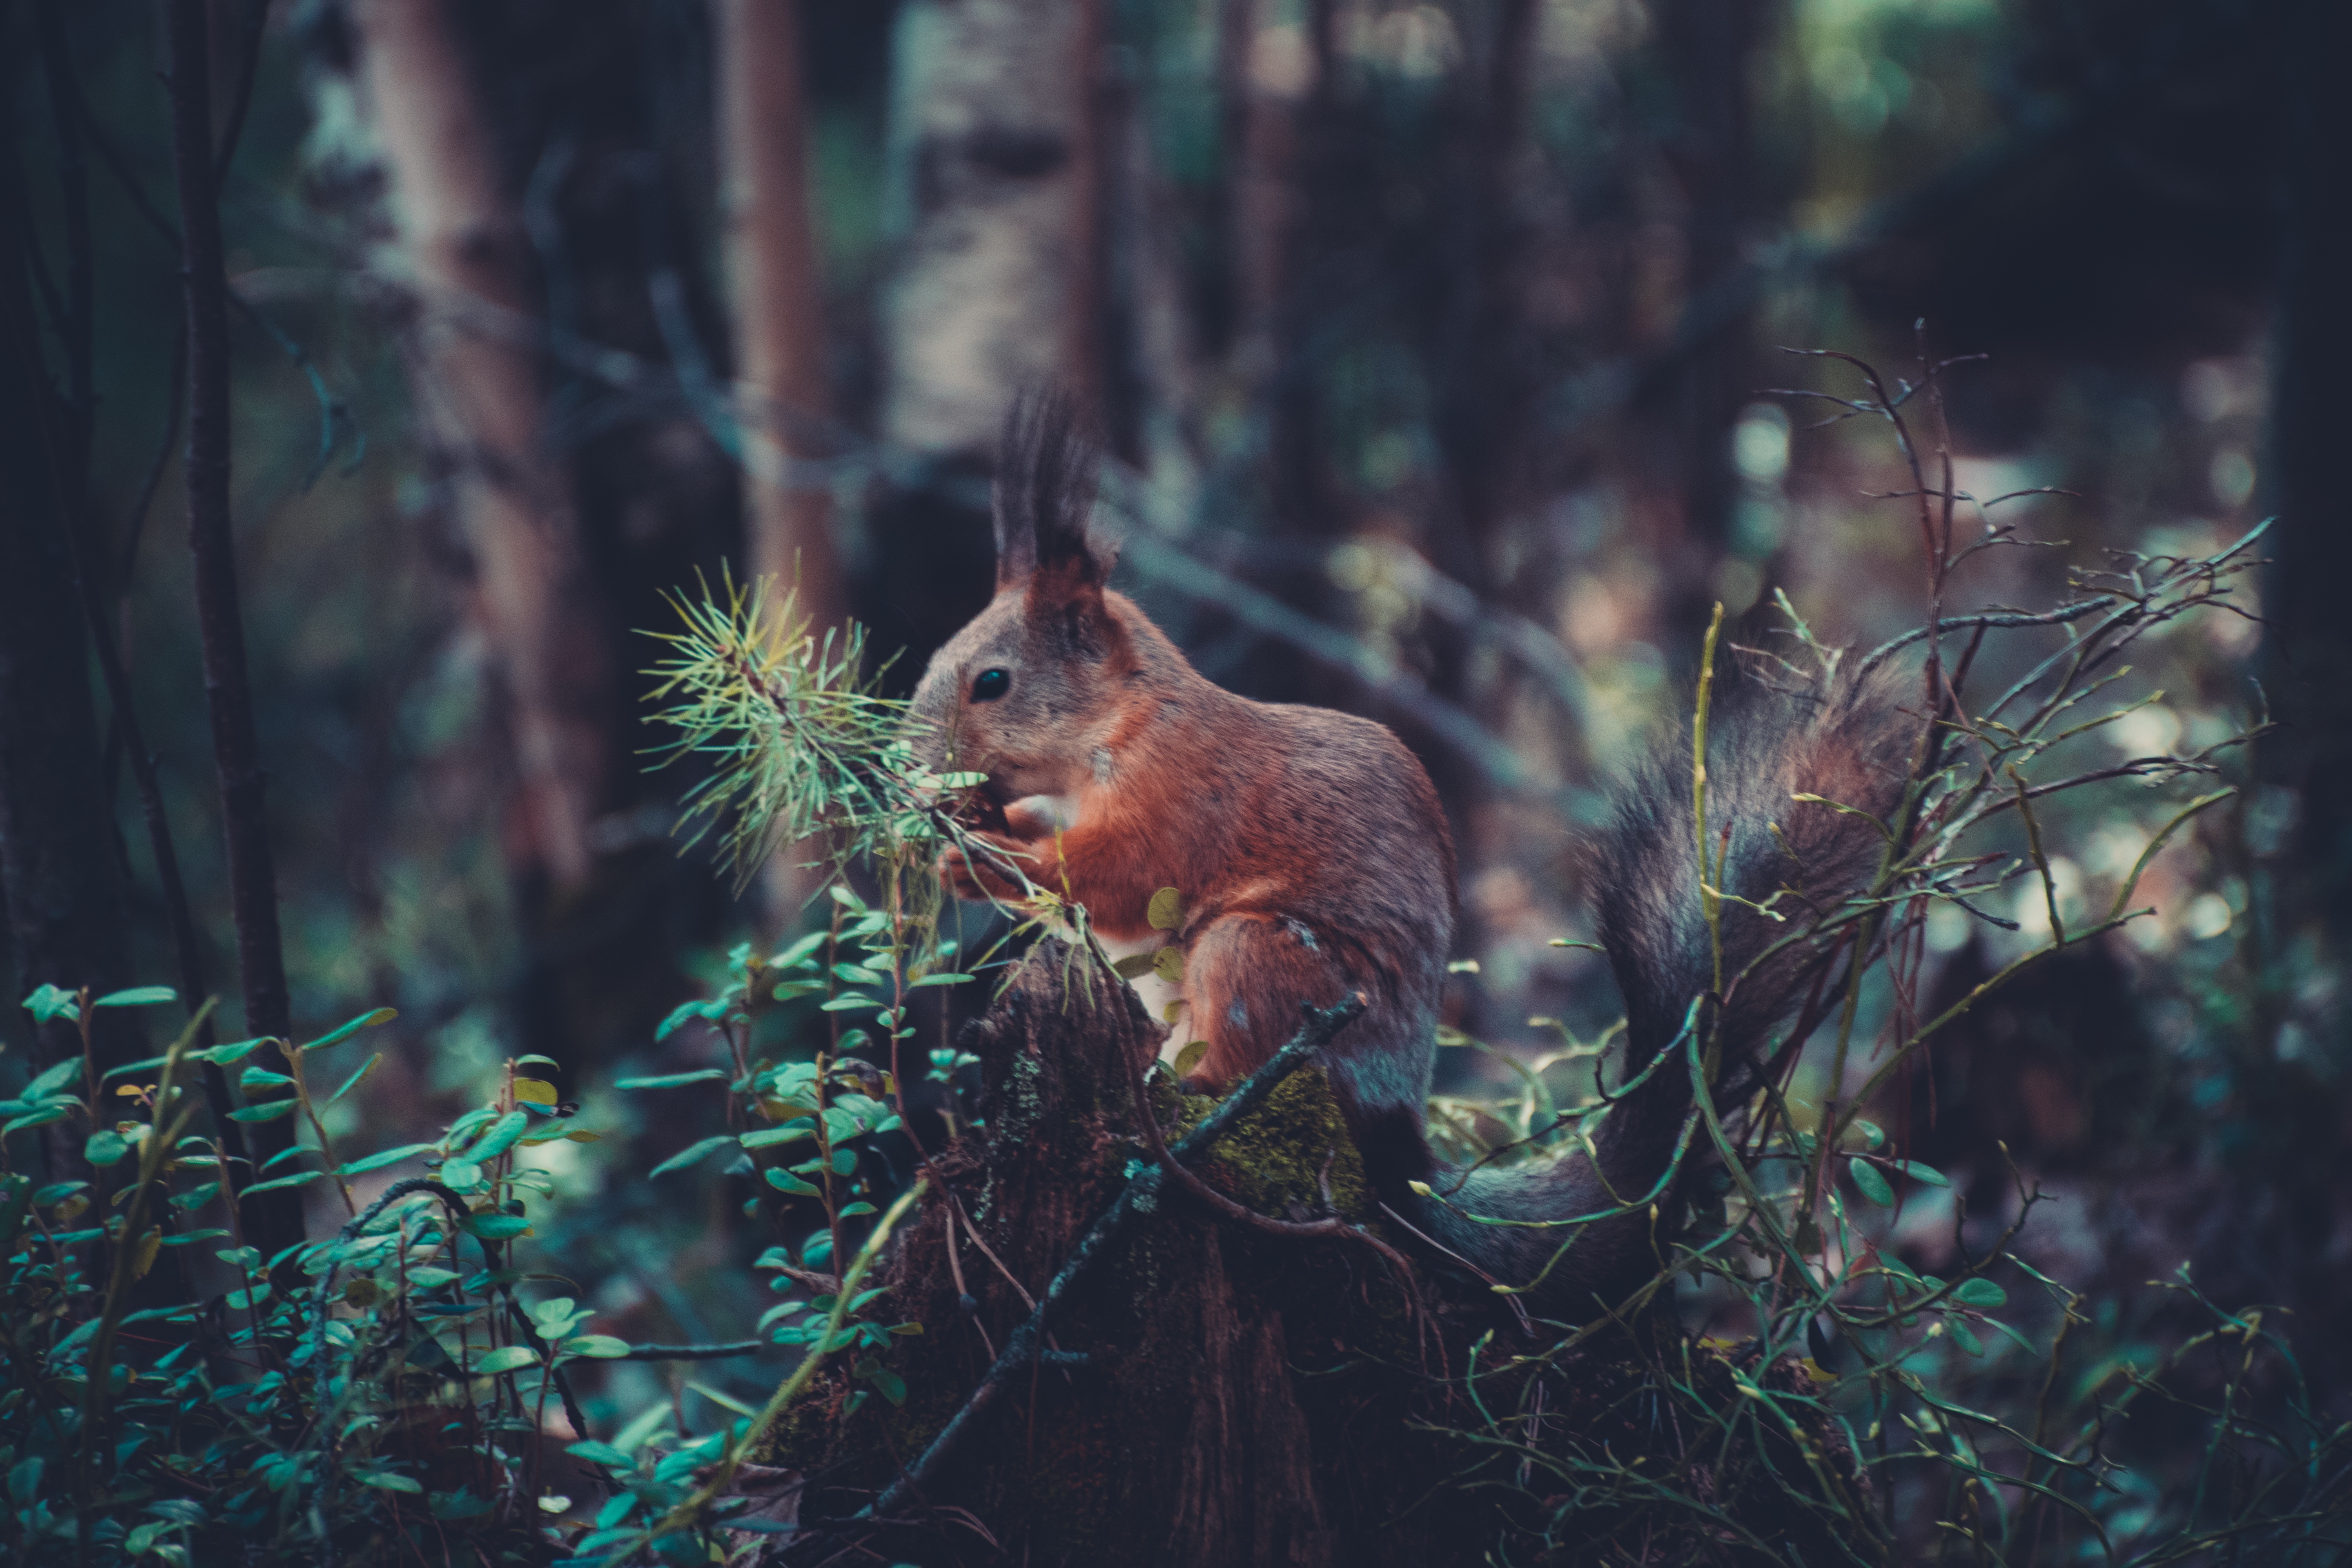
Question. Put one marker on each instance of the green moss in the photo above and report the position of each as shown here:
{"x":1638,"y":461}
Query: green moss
{"x":1275,"y":1160}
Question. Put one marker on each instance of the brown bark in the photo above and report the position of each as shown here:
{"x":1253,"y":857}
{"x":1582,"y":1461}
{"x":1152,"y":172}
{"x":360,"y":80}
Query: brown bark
{"x":1187,"y":1436}
{"x":477,"y":380}
{"x":275,"y":1218}
{"x":1212,"y":1393}
{"x":778,"y":297}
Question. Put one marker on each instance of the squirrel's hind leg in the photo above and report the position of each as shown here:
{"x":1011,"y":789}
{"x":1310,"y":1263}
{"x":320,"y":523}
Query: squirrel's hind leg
{"x":1244,"y":976}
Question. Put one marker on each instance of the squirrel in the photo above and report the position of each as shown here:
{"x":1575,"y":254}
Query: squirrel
{"x":1312,"y":859}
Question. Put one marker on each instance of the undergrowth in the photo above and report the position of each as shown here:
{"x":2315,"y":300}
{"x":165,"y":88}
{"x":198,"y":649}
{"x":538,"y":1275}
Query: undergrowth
{"x":401,"y":1388}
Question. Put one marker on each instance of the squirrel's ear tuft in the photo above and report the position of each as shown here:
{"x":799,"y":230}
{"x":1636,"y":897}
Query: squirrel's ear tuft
{"x":1045,"y":468}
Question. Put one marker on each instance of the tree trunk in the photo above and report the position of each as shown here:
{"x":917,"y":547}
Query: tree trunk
{"x":777,"y":294}
{"x":59,"y":864}
{"x":992,"y":212}
{"x":477,"y":381}
{"x":778,"y":299}
{"x":274,"y":1219}
{"x":2309,"y":643}
{"x":998,"y":279}
{"x":1707,"y":46}
{"x":1212,"y":1393}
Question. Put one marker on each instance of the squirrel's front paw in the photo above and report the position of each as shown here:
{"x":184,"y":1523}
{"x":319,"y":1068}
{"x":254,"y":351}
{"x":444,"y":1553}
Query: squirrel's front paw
{"x":988,"y":872}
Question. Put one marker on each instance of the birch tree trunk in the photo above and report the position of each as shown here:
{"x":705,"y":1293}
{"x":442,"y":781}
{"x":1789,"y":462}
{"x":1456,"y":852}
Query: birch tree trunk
{"x":998,"y":280}
{"x":477,"y":379}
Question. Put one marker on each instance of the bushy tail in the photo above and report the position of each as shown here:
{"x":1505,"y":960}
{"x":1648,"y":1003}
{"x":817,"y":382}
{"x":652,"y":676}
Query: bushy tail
{"x":1846,"y":744}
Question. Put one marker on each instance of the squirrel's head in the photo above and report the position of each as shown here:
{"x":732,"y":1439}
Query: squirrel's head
{"x":1017,"y":694}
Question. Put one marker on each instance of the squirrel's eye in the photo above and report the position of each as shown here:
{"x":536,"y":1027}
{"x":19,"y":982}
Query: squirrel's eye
{"x":991,"y":685}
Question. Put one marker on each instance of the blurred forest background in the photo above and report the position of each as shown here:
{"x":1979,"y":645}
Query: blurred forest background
{"x":1430,"y":341}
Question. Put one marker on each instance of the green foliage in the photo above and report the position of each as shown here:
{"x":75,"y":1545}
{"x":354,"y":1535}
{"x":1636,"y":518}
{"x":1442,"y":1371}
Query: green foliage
{"x":801,"y":747}
{"x":1915,"y":1402}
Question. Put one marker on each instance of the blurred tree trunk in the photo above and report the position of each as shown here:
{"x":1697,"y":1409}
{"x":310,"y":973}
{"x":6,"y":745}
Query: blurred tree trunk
{"x":777,"y":296}
{"x":1706,"y":46}
{"x":994,"y":192}
{"x":60,"y":866}
{"x":997,"y":277}
{"x":1280,"y":113}
{"x":477,"y":380}
{"x":2309,"y":643}
{"x":274,"y":1221}
{"x":777,"y":301}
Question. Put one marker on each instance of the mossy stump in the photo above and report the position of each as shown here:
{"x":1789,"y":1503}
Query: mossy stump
{"x":1219,"y":1396}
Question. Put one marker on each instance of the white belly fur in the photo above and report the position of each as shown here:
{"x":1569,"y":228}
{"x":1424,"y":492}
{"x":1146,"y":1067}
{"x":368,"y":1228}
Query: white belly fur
{"x":1157,"y":993}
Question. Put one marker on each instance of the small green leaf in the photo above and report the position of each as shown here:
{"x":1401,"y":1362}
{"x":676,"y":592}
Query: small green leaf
{"x":389,"y":1482}
{"x":679,"y":1017}
{"x":56,"y":1111}
{"x":538,"y":1061}
{"x":785,"y":1182}
{"x":694,"y":1153}
{"x":379,"y":1160}
{"x":768,"y":1137}
{"x":105,"y":1147}
{"x":139,"y":996}
{"x":495,"y":1226}
{"x":1978,"y":1292}
{"x":1919,"y":1172}
{"x":364,"y":1021}
{"x":267,"y":1111}
{"x":535,"y":1092}
{"x":845,"y":1001}
{"x":499,"y":1138}
{"x":252,"y":1079}
{"x":602,"y":1347}
{"x":47,"y":1002}
{"x":1871,"y":1182}
{"x":1133,"y":965}
{"x":1871,"y":1133}
{"x":352,"y":1082}
{"x":298,"y":1180}
{"x":1165,"y":912}
{"x":889,"y":1383}
{"x":669,"y":1079}
{"x":146,"y":1064}
{"x":234,"y":1052}
{"x":1190,"y":1056}
{"x":512,"y":1358}
{"x":597,"y":1453}
{"x":1169,"y":964}
{"x":938,"y":980}
{"x":1963,"y":1337}
{"x":56,"y":1078}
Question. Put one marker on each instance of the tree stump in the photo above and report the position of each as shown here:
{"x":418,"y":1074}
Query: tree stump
{"x":1212,"y":1394}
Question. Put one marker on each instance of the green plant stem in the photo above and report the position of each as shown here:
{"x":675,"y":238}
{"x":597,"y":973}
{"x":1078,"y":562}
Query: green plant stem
{"x":723,"y":1474}
{"x":293,"y":1055}
{"x":154,"y":1153}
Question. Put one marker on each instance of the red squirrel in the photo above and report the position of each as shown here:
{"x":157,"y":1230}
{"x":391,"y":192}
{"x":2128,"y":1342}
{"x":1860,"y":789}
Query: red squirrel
{"x":1311,"y":859}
